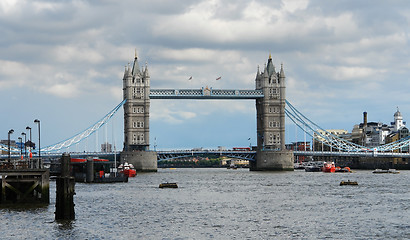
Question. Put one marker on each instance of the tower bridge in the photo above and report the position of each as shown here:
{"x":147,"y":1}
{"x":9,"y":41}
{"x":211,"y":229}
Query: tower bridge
{"x":269,"y":94}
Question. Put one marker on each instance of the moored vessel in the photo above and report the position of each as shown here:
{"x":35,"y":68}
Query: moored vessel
{"x":168,"y":185}
{"x":394,"y":171}
{"x":328,"y":167}
{"x":344,"y":169}
{"x":127,"y":169}
{"x":348,"y":182}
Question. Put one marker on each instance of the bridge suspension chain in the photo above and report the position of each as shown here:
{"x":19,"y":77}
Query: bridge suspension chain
{"x":6,"y":148}
{"x":332,"y":140}
{"x":324,"y":136}
{"x":84,"y":134}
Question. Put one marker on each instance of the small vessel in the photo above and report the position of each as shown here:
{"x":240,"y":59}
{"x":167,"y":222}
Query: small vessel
{"x":298,"y":165}
{"x":313,"y":169}
{"x":394,"y":171}
{"x":328,"y":167}
{"x":127,"y":169}
{"x":168,"y":185}
{"x":348,"y":182}
{"x":344,"y":169}
{"x":233,"y":166}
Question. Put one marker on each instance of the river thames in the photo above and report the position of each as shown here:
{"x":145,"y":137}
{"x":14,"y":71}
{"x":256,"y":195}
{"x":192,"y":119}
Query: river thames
{"x":217,"y":203}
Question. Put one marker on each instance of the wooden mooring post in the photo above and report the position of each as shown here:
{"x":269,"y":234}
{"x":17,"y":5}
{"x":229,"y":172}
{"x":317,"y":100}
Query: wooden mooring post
{"x":65,"y":191}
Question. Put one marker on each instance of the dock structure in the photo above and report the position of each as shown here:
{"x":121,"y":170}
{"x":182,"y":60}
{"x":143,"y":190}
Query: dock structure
{"x":25,"y":186}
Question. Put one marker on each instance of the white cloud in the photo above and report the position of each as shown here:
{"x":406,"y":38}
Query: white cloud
{"x":77,"y":53}
{"x":7,"y":6}
{"x":67,"y":90}
{"x":348,"y":72}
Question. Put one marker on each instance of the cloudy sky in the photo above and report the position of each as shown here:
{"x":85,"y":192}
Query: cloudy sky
{"x":63,"y":61}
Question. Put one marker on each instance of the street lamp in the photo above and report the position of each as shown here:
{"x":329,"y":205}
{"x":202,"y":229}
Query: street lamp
{"x":29,"y":128}
{"x":11,"y":131}
{"x":39,"y":154}
{"x":25,"y":140}
{"x":21,"y":146}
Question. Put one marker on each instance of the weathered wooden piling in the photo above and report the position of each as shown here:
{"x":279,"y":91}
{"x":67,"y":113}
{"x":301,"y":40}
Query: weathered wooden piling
{"x":65,"y":191}
{"x":90,"y":170}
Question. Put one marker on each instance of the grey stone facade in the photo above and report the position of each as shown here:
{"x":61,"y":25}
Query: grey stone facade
{"x":136,"y":88}
{"x":271,"y":153}
{"x":270,"y":110}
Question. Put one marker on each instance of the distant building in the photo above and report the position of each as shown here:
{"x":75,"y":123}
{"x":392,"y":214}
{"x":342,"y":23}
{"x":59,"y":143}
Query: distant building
{"x":370,"y":135}
{"x":299,"y":146}
{"x":106,"y":147}
{"x":318,"y":145}
{"x":373,"y":134}
{"x":13,"y":144}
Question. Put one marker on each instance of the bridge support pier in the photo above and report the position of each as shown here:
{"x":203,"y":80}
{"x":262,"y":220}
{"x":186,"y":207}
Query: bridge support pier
{"x":143,"y":161}
{"x":273,"y":161}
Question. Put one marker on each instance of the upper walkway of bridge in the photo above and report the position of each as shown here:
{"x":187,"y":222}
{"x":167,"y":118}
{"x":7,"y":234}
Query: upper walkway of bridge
{"x":205,"y":93}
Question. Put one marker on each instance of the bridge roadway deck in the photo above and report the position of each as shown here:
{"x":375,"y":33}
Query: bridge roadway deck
{"x":248,"y":155}
{"x":352,"y":154}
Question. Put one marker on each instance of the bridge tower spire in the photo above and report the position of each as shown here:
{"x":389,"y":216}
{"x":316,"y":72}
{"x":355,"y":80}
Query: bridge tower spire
{"x":270,"y":121}
{"x":136,"y":89}
{"x":271,"y":109}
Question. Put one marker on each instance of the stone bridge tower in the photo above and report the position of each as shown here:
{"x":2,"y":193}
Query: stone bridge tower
{"x":270,"y":120}
{"x":136,"y":89}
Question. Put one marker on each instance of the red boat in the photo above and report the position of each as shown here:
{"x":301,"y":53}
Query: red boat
{"x":328,"y":167}
{"x":345,"y":169}
{"x":128,"y":169}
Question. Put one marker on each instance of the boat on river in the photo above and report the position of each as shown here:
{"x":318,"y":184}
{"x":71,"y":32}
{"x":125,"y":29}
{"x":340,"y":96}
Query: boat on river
{"x":328,"y":167}
{"x":348,"y":182}
{"x":344,"y":169}
{"x":394,"y":171}
{"x":313,"y":168}
{"x":168,"y":185}
{"x":127,"y":169}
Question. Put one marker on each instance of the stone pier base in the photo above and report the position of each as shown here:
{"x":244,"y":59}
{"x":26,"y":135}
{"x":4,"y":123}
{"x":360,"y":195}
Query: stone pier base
{"x":273,"y":161}
{"x":143,"y":161}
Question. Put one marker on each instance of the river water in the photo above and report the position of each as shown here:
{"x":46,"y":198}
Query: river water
{"x":227,"y":204}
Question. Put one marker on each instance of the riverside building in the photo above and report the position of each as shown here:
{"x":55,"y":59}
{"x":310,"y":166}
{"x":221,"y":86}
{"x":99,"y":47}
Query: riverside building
{"x":370,"y":135}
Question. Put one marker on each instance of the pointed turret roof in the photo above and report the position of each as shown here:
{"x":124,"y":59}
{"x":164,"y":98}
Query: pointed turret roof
{"x":270,"y":67}
{"x":258,"y":73}
{"x":282,"y":72}
{"x":125,"y":71}
{"x":146,"y":73}
{"x":265,"y":72}
{"x":136,"y":66}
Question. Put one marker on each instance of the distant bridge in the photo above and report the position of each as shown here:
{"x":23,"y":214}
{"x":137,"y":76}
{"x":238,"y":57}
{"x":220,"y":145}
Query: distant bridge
{"x":341,"y":146}
{"x":241,"y":154}
{"x":177,"y":154}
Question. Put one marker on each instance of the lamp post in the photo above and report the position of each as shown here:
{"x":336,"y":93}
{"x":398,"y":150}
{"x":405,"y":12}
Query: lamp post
{"x":25,"y":140}
{"x":29,"y":128}
{"x":39,"y":154}
{"x":11,"y":131}
{"x":21,"y":146}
